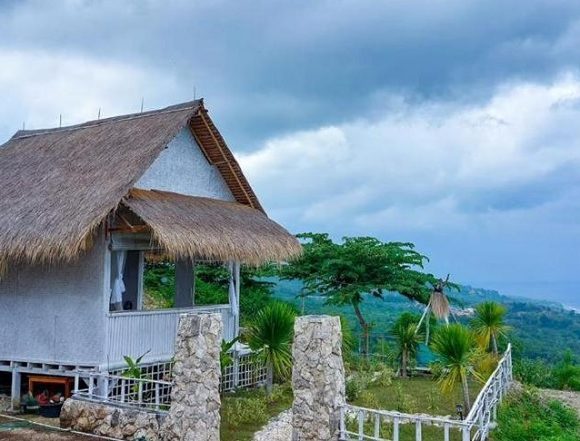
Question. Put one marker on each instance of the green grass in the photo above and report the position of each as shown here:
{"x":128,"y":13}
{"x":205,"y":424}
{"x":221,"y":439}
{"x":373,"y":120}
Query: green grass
{"x":524,"y":416}
{"x":414,"y":395}
{"x":245,"y":412}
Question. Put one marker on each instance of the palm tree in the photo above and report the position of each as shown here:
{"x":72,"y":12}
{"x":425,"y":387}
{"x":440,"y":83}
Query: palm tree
{"x":488,"y":324}
{"x":456,"y":349}
{"x":407,"y":340}
{"x":270,"y":335}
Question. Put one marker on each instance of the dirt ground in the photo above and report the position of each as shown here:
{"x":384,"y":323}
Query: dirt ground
{"x":570,"y":398}
{"x":22,"y":431}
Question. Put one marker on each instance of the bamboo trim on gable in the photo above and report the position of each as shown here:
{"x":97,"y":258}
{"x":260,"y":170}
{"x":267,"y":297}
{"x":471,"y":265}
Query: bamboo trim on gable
{"x":215,"y":149}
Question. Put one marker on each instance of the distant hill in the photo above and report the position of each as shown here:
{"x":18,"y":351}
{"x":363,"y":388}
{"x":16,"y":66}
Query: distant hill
{"x":541,"y":329}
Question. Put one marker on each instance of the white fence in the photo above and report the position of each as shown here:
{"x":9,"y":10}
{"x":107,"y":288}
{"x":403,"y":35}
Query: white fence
{"x":246,"y":371}
{"x":143,"y":393}
{"x":358,"y":423}
{"x":153,"y":390}
{"x":137,"y":332}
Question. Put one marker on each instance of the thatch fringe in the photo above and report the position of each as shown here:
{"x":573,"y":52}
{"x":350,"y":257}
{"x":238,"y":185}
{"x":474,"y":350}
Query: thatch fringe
{"x":202,"y":228}
{"x":440,"y":305}
{"x":57,"y":186}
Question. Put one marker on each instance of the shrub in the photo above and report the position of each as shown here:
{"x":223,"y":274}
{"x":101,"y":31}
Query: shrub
{"x":242,"y":410}
{"x":356,"y":384}
{"x":533,"y":373}
{"x":352,"y":389}
{"x":279,"y":393}
{"x":524,"y":416}
{"x":404,"y":402}
{"x":369,"y":400}
{"x":567,"y":373}
{"x":384,"y":376}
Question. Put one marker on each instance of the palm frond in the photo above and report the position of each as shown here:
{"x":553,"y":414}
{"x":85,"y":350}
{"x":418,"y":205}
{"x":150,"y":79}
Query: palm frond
{"x":270,"y":334}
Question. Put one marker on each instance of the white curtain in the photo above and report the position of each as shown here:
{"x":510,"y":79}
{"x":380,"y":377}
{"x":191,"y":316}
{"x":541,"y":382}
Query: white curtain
{"x":234,"y":294}
{"x":118,"y":284}
{"x":232,"y":291}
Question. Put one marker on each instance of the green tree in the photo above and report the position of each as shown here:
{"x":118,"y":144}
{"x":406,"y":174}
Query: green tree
{"x":348,"y":339}
{"x":270,"y":334}
{"x":456,"y":349}
{"x":407,"y":340}
{"x":567,"y":373}
{"x":489,"y":325}
{"x":346,"y":272}
{"x":211,"y":285}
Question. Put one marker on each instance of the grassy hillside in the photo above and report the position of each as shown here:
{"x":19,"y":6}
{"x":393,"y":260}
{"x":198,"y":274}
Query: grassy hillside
{"x":541,"y":330}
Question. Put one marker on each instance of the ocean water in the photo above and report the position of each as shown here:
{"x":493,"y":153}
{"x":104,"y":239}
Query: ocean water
{"x":566,"y":293}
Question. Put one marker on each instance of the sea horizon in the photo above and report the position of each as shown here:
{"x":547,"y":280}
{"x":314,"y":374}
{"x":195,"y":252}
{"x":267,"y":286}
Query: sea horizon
{"x":567,"y":293}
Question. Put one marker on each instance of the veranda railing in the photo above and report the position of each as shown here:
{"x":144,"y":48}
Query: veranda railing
{"x":153,"y":390}
{"x":358,"y":423}
{"x":123,"y":391}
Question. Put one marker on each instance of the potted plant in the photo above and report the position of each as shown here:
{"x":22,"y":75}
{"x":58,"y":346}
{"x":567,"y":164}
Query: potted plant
{"x":28,"y":404}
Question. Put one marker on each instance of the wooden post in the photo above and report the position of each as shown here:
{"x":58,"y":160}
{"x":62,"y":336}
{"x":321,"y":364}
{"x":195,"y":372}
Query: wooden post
{"x":418,"y":431}
{"x":361,"y":425}
{"x":446,"y":432}
{"x":237,"y":282}
{"x":184,"y":281}
{"x":157,"y":401}
{"x":15,"y":389}
{"x":396,"y":429}
{"x":236,"y":368}
{"x":342,"y":427}
{"x":123,"y":386}
{"x":377,"y":425}
{"x":466,"y":434}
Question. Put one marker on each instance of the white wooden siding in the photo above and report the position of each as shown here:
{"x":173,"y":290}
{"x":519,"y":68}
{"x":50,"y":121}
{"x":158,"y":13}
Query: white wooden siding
{"x":134,"y":333}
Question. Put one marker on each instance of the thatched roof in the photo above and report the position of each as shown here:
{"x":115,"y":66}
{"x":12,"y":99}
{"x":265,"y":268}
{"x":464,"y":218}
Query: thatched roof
{"x":197,"y":227}
{"x":58,"y":185}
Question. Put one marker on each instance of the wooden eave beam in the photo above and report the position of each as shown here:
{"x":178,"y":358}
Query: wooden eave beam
{"x":225,"y":160}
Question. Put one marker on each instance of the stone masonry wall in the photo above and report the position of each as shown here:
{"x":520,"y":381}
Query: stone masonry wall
{"x":317,"y":378}
{"x":114,"y":422}
{"x":195,"y":400}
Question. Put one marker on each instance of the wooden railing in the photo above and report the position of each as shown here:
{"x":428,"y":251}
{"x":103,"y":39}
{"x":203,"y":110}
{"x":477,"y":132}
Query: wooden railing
{"x":137,"y":332}
{"x":358,"y":423}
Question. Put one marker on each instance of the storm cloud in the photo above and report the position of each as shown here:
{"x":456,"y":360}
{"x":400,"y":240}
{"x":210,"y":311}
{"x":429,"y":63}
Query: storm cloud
{"x":449,"y":123}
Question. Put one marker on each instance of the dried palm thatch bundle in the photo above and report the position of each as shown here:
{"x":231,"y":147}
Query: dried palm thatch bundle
{"x":57,"y":187}
{"x":203,"y":228}
{"x":440,"y":305}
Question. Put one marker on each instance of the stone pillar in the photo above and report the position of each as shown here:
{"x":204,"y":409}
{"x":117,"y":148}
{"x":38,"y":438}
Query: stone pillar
{"x":195,"y":400}
{"x":317,"y":378}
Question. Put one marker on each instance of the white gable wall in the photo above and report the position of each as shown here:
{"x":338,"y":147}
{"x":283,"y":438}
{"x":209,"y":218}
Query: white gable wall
{"x":182,"y":168}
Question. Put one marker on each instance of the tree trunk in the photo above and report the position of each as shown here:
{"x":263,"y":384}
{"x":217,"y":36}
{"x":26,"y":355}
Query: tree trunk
{"x":494,"y":344}
{"x":365,"y":328}
{"x":404,"y":364}
{"x":466,"y":401}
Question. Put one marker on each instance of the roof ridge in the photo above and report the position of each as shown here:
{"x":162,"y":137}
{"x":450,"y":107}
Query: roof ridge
{"x":188,"y":105}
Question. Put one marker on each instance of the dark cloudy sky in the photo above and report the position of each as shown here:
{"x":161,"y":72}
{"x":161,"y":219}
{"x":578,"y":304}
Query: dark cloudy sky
{"x":454,"y":124}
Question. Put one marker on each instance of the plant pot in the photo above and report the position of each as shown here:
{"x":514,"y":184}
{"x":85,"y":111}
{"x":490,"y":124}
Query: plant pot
{"x":30,"y":408}
{"x":50,"y":410}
